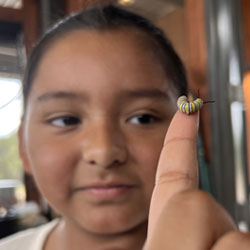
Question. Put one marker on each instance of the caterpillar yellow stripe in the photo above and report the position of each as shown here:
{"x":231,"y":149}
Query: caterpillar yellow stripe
{"x":188,"y":107}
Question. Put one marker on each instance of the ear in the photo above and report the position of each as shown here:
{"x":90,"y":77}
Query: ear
{"x":22,"y":149}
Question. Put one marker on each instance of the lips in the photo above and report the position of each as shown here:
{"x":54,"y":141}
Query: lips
{"x":106,"y":191}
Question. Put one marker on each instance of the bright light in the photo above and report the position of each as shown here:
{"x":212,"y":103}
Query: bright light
{"x":10,"y":106}
{"x":126,"y":2}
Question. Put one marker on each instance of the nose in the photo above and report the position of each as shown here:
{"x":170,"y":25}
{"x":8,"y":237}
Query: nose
{"x":104,"y":146}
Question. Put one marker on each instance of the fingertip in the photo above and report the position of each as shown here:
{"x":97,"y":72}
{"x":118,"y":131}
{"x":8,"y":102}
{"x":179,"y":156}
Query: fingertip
{"x":193,"y":117}
{"x":183,"y":125}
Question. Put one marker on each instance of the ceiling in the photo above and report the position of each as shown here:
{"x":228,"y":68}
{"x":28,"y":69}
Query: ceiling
{"x":150,"y":8}
{"x":9,"y":54}
{"x":153,"y":9}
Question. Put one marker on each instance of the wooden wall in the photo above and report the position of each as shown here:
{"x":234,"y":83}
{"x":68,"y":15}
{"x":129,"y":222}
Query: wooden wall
{"x":186,"y":29}
{"x":197,"y":63}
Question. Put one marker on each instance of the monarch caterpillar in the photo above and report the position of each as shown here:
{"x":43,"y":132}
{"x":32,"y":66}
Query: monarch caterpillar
{"x":188,"y":107}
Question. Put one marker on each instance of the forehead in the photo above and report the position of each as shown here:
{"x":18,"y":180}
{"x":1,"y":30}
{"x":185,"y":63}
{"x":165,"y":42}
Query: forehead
{"x":92,"y":57}
{"x":127,"y":44}
{"x":129,"y":36}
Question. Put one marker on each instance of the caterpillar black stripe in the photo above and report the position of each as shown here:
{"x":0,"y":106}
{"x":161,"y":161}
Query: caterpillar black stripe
{"x":188,"y":107}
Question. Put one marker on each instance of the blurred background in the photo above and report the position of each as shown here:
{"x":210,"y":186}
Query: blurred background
{"x":213,"y":39}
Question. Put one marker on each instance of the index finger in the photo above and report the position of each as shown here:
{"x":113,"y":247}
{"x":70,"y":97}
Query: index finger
{"x":178,"y":166}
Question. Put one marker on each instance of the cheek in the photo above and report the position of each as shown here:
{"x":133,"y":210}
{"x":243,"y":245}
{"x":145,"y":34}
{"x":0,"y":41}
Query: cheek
{"x":51,"y":165}
{"x":146,"y":152}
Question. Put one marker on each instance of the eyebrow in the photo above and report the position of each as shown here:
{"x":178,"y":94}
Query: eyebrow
{"x":61,"y":95}
{"x":125,"y":94}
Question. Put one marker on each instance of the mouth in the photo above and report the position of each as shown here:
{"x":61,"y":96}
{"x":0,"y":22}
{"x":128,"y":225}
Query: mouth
{"x":106,"y":191}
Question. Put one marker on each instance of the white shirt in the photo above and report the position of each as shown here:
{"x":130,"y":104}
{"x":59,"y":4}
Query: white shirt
{"x":31,"y":239}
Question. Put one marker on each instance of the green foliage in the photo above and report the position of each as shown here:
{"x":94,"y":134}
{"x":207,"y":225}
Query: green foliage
{"x":10,"y":164}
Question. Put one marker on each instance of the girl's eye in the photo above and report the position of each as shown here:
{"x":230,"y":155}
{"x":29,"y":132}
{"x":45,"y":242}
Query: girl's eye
{"x":144,"y":119}
{"x":65,"y":121}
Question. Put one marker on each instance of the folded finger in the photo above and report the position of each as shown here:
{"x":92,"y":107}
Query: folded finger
{"x":233,"y":240}
{"x":193,"y":220}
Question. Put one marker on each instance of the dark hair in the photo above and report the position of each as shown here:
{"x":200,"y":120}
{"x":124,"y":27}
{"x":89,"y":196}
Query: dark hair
{"x":109,"y":17}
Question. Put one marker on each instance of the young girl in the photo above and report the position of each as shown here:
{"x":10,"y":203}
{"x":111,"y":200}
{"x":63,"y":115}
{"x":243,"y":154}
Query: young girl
{"x":100,"y":91}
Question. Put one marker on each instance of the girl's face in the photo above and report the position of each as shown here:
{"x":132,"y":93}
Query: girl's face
{"x":96,"y":119}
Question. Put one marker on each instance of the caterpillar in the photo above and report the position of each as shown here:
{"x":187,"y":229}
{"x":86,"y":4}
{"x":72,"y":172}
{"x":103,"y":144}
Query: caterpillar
{"x":188,"y":107}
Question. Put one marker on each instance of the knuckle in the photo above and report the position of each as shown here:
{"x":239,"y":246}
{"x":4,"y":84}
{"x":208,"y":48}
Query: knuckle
{"x":175,"y":176}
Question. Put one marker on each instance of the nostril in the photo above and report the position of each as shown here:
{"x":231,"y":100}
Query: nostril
{"x":115,"y":163}
{"x":92,"y":162}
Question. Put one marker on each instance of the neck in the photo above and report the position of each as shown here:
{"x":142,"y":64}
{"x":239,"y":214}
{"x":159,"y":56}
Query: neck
{"x":68,"y":237}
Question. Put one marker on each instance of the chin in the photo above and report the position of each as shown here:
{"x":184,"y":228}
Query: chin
{"x":114,"y":222}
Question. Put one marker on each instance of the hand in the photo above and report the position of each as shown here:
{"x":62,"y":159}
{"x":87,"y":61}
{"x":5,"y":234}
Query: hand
{"x":181,"y":216}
